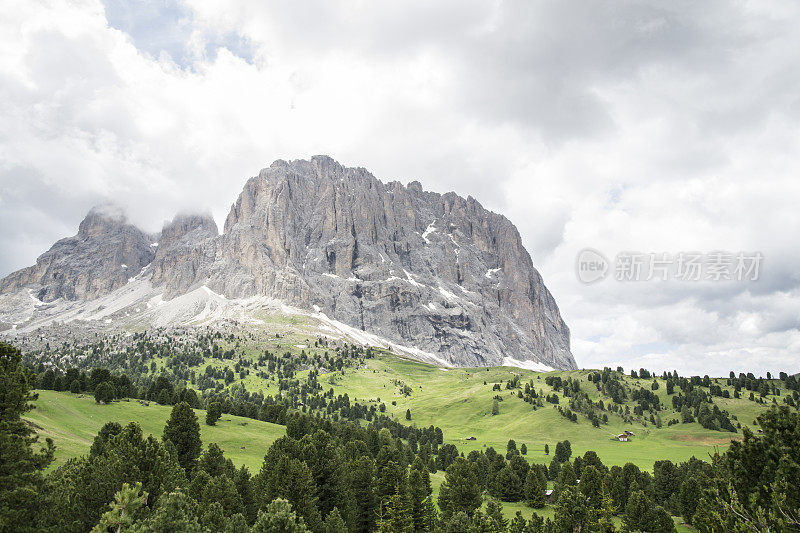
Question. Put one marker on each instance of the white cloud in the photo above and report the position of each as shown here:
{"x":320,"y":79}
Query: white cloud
{"x":646,"y":127}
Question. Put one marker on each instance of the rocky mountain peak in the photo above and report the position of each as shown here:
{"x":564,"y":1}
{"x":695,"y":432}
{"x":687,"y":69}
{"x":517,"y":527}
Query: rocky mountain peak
{"x":436,"y":273}
{"x":438,"y":270}
{"x":102,"y":219}
{"x":185,"y":251}
{"x":103,"y":256}
{"x":200,"y":226}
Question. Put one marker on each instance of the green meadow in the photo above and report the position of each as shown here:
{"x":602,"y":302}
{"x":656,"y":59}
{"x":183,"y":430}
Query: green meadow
{"x":73,"y":420}
{"x":458,"y":401}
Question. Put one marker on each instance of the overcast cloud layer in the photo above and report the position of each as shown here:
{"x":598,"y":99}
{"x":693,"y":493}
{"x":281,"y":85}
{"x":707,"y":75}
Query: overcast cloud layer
{"x":638,"y":126}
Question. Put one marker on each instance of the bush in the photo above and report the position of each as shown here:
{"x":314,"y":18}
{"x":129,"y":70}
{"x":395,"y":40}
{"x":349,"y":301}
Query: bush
{"x":104,"y":392}
{"x":213,"y":412}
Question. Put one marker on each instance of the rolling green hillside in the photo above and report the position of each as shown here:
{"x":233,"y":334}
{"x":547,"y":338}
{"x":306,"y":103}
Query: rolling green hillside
{"x":73,"y":420}
{"x":458,"y":401}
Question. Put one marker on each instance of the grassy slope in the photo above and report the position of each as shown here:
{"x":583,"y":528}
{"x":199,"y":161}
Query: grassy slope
{"x":73,"y":420}
{"x":454,"y":399}
{"x":457,"y":401}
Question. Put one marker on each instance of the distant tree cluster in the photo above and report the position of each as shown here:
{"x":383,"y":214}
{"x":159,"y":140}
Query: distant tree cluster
{"x":100,"y":382}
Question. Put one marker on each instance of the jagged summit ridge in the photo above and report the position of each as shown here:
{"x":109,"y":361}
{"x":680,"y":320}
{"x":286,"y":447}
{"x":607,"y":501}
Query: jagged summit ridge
{"x":105,"y":253}
{"x":438,"y":272}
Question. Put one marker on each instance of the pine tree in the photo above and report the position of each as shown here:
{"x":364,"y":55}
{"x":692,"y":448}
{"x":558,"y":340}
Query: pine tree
{"x":213,"y":461}
{"x":605,"y":522}
{"x":518,"y":524}
{"x":238,"y":524}
{"x":213,"y":517}
{"x":213,"y":412}
{"x":183,"y":431}
{"x":200,"y":481}
{"x":127,"y":501}
{"x":359,"y":480}
{"x":459,"y":490}
{"x":511,"y":446}
{"x":334,"y":522}
{"x":636,"y":511}
{"x":592,"y":486}
{"x":429,"y":515}
{"x":534,"y":491}
{"x":389,"y":479}
{"x":419,"y":488}
{"x":109,"y":430}
{"x":458,"y":523}
{"x":174,"y":512}
{"x":279,"y":518}
{"x":324,"y":469}
{"x":163,"y":397}
{"x":563,"y":451}
{"x":395,"y":516}
{"x":507,"y":486}
{"x":47,"y":380}
{"x":291,"y":479}
{"x":84,"y":486}
{"x":572,"y":511}
{"x":520,"y":467}
{"x":21,"y":467}
{"x":554,"y":469}
{"x":658,"y":519}
{"x":566,"y":478}
{"x":222,"y":490}
{"x":244,"y":486}
{"x":688,"y":497}
{"x":494,"y":514}
{"x":104,"y":392}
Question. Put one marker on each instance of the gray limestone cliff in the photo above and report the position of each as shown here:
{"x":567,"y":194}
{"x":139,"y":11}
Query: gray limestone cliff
{"x":434,"y":271}
{"x":103,"y":256}
{"x":186,"y":249}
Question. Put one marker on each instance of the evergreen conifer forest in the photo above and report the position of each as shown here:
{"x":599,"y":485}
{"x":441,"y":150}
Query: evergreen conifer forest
{"x":316,"y":459}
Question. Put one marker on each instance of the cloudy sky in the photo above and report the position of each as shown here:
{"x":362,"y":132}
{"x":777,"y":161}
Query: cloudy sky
{"x":643,"y":127}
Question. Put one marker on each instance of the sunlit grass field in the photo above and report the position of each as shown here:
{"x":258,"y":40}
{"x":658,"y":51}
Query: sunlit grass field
{"x":73,"y":420}
{"x":459,"y":401}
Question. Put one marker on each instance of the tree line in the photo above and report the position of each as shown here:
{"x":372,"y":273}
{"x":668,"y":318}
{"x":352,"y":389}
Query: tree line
{"x":338,"y":476}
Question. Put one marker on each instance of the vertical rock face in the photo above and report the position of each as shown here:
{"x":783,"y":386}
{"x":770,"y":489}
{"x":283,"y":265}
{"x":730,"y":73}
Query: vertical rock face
{"x":106,"y":252}
{"x":432,"y":271}
{"x":439,"y":272}
{"x":185,"y":252}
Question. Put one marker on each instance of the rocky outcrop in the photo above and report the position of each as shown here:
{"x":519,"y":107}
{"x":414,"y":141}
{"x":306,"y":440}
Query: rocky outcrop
{"x":186,"y":250}
{"x":103,"y":256}
{"x":437,"y":272}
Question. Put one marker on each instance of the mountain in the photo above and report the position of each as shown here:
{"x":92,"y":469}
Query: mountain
{"x":99,"y":259}
{"x":435,"y":274}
